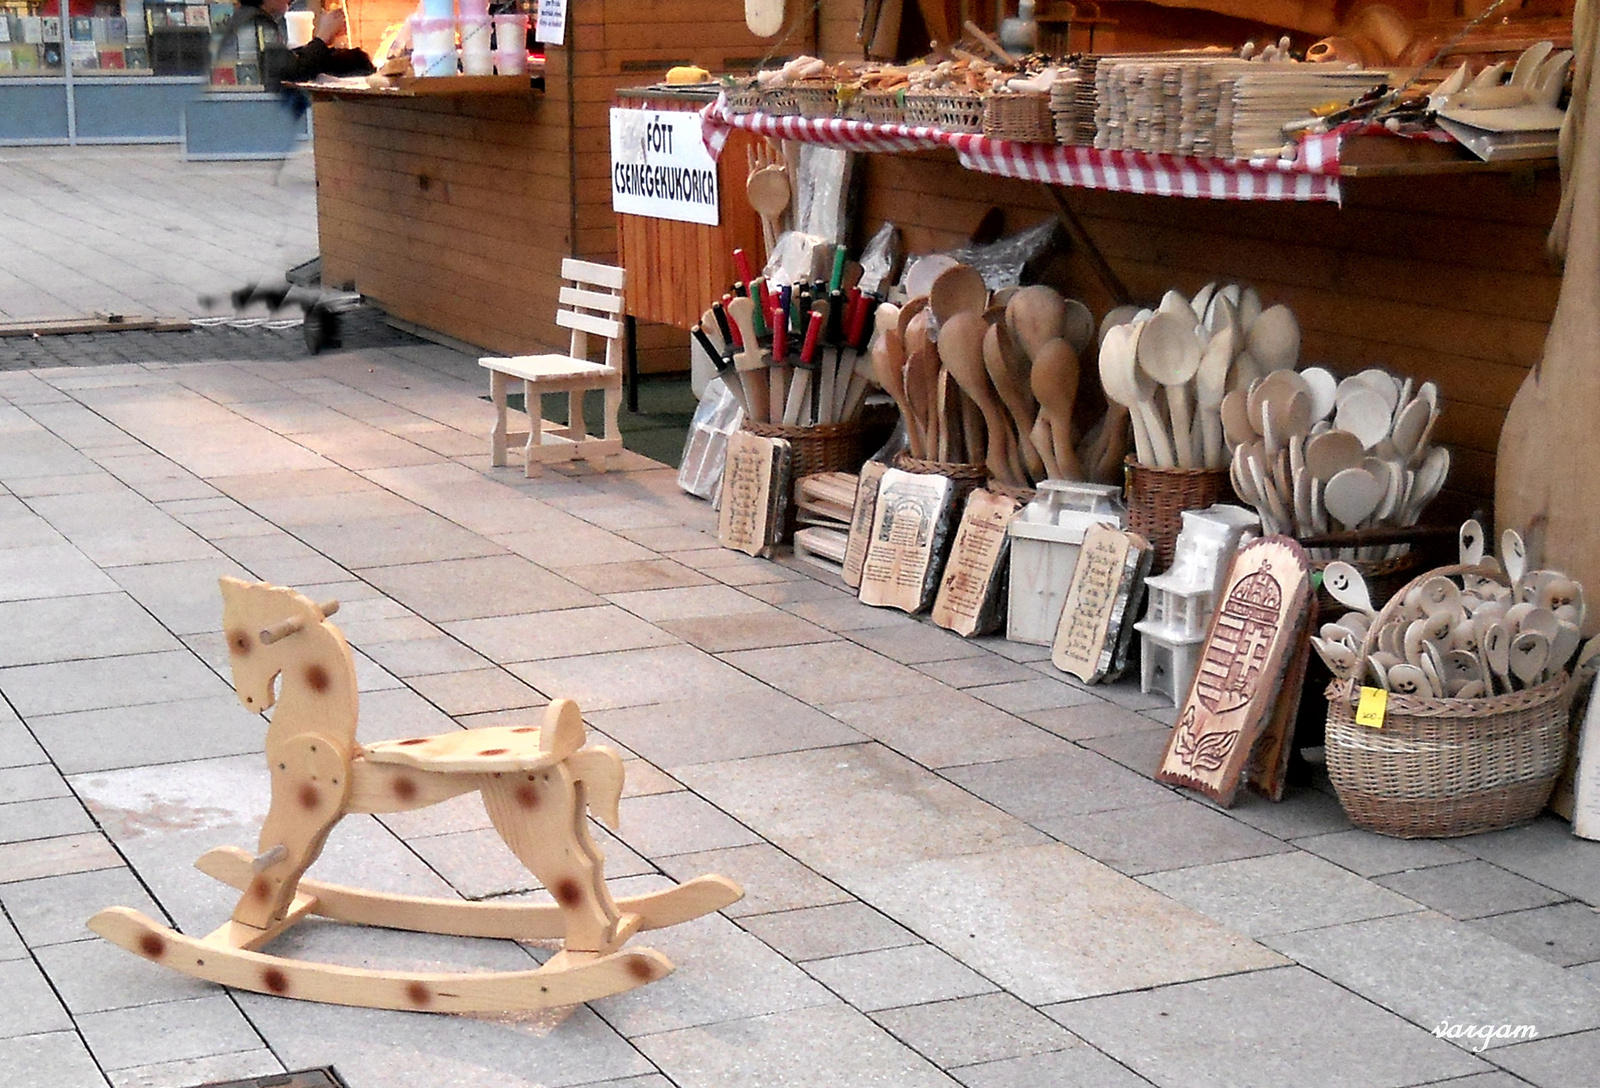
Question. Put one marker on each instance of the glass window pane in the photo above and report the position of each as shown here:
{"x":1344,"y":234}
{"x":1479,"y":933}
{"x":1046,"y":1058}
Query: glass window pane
{"x":30,"y":38}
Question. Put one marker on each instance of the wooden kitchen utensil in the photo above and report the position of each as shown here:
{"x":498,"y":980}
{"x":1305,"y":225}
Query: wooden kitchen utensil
{"x":1170,"y":354}
{"x":961,"y":351}
{"x":1055,"y":384}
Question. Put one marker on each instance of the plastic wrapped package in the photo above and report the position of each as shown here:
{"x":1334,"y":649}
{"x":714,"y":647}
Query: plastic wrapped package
{"x":880,"y":260}
{"x":1012,"y":260}
{"x":705,"y":451}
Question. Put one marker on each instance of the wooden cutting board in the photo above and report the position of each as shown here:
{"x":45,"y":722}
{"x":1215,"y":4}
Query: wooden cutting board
{"x":754,"y":493}
{"x":866,"y":505}
{"x":1097,"y":619}
{"x":969,"y":592}
{"x":909,"y":529}
{"x":1248,"y":648}
{"x":1546,"y":483}
{"x":1269,"y":762}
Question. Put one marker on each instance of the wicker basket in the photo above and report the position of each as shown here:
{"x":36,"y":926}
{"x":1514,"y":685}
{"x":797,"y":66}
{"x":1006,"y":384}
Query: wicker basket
{"x":1439,"y":768}
{"x":744,"y":96}
{"x":816,"y":98}
{"x":1157,"y":498}
{"x":921,"y":108}
{"x":960,"y":111}
{"x":1024,"y":117}
{"x":826,"y":447}
{"x":878,"y":107}
{"x":779,"y":102}
{"x":965,"y":477}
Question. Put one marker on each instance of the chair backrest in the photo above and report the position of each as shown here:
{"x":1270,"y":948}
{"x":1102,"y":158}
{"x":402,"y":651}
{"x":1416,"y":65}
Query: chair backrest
{"x":592,"y":304}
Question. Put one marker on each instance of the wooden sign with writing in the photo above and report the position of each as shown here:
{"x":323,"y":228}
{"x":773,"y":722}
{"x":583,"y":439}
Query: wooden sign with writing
{"x":855,"y":552}
{"x":754,"y":493}
{"x":1269,"y":762}
{"x":1247,"y":651}
{"x":1091,"y":639}
{"x":969,"y":593}
{"x":909,"y":528}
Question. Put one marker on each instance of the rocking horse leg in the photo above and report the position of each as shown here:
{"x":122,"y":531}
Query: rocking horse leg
{"x":310,"y":781}
{"x":541,"y":815}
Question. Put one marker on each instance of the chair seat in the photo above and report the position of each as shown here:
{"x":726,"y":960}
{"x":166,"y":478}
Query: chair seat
{"x":552,"y":367}
{"x":496,"y":749}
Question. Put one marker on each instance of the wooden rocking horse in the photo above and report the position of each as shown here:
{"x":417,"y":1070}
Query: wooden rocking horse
{"x":537,"y":783}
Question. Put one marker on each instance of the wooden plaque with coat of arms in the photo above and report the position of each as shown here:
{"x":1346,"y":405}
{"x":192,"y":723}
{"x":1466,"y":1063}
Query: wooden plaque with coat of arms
{"x":1247,"y":650}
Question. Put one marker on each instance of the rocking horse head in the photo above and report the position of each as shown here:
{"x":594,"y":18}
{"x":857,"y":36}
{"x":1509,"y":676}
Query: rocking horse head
{"x":270,"y":631}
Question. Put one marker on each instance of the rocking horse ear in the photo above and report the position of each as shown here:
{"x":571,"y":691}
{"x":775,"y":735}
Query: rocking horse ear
{"x":562,"y":732}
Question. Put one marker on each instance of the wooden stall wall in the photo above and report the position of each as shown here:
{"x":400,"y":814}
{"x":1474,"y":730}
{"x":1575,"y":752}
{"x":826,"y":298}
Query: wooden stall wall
{"x":1439,"y":278}
{"x":476,"y":188}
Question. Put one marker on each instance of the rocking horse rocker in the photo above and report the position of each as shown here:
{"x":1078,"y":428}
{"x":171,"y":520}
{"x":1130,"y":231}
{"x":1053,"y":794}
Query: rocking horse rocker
{"x":537,"y":784}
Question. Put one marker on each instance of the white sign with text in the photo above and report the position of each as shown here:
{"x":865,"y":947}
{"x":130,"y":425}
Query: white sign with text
{"x":551,"y":24}
{"x":660,"y":167}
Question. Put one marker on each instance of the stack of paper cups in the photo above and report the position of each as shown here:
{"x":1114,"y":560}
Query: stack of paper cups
{"x":433,"y":46}
{"x":301,"y":25}
{"x":475,"y":8}
{"x":511,"y":44}
{"x":476,"y":58}
{"x":438,"y":9}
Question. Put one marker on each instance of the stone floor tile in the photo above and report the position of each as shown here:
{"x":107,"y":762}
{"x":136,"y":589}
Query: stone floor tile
{"x":955,"y":730}
{"x":461,"y":813}
{"x":58,"y":1059}
{"x":51,"y":857}
{"x":411,"y":657}
{"x":634,"y":576}
{"x":649,"y":1080}
{"x":1023,"y":696}
{"x":479,"y":865}
{"x":1430,"y":970}
{"x":18,"y":748}
{"x":917,"y":645}
{"x":1367,"y":854}
{"x":164,"y":732}
{"x":1469,"y":889}
{"x":748,"y":631}
{"x":723,"y":974}
{"x":969,"y":1030}
{"x":1497,"y":1079}
{"x":746,"y":576}
{"x":1161,"y":837}
{"x":1264,"y":1029}
{"x":1090,"y":718}
{"x":394,"y":541}
{"x":838,"y":929}
{"x":1138,"y":750}
{"x":1279,"y":893}
{"x":749,"y":723}
{"x":688,"y":602}
{"x":844,"y":613}
{"x":70,"y":628}
{"x":1303,"y":811}
{"x":95,"y":975}
{"x":831,"y":1044}
{"x":899,"y":812}
{"x":48,"y":570}
{"x":1565,"y":1062}
{"x":381,"y":1049}
{"x":833,"y":672}
{"x":477,"y":691}
{"x":1546,"y":852}
{"x":1080,"y":1067}
{"x":626,"y":678}
{"x":465,"y":589}
{"x":11,"y":946}
{"x":27,"y":1004}
{"x":1068,"y":782}
{"x":575,"y":545}
{"x":49,"y":818}
{"x":31,"y":782}
{"x":660,"y":825}
{"x":1127,"y":694}
{"x":1022,"y":652}
{"x":245,"y":1065}
{"x":94,"y":683}
{"x":1566,"y":933}
{"x":891,"y":977}
{"x":52,"y":910}
{"x":565,"y":633}
{"x":1033,"y":946}
{"x":398,"y":713}
{"x":771,"y":879}
{"x":183,"y":595}
{"x":981,"y":670}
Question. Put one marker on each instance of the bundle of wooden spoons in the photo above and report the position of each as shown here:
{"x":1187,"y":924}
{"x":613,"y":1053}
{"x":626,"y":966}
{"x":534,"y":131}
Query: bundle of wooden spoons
{"x":1315,"y":455}
{"x":1481,"y":629}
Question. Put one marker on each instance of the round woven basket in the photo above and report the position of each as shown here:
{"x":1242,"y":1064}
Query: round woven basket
{"x":967,"y":478}
{"x":1157,"y":498}
{"x":1440,"y":768}
{"x":825,"y":447}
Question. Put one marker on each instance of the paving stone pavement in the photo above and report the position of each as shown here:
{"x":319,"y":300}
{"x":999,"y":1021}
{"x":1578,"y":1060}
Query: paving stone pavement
{"x":958,"y":869}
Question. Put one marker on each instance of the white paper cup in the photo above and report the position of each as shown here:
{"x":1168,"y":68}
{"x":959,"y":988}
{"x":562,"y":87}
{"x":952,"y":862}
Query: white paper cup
{"x":476,"y":59}
{"x":301,"y":25}
{"x":514,"y":63}
{"x":511,"y":35}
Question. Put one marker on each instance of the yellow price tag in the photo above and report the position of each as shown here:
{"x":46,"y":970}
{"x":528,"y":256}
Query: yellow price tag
{"x":1370,"y":710}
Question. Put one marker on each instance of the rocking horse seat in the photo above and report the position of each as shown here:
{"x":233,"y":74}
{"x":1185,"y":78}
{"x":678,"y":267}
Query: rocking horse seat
{"x":498,"y":749}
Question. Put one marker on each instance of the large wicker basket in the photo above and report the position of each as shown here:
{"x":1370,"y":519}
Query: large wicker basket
{"x":1157,"y":498}
{"x":825,"y":447}
{"x":1021,"y":116}
{"x":961,"y":111}
{"x":816,"y":98}
{"x":878,"y":107}
{"x":1439,"y":768}
{"x":744,"y":96}
{"x":966,"y":477}
{"x":921,"y":108}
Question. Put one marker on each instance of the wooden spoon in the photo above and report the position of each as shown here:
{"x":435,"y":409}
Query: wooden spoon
{"x":1274,"y":339}
{"x":1170,"y":354}
{"x":1014,"y":385}
{"x":1364,"y":414}
{"x":1118,"y":379}
{"x":1211,"y":386}
{"x":961,"y":351}
{"x":1037,"y":315}
{"x":958,"y":289}
{"x":1345,"y":585}
{"x":1077,"y":326}
{"x":1055,"y":383}
{"x":769,"y":194}
{"x":1529,"y":654}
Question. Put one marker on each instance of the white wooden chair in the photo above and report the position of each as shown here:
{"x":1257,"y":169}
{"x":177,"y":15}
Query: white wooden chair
{"x":591,"y":302}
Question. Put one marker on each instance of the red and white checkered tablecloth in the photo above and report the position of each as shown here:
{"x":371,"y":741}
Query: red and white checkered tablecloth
{"x":1313,"y":175}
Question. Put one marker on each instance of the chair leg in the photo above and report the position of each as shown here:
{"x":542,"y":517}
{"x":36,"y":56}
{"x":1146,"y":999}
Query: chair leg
{"x":613,"y":429}
{"x":577,"y":429}
{"x":534,"y":406}
{"x":497,"y":436}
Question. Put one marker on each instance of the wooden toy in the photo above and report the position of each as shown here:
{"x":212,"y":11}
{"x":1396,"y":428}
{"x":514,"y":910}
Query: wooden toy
{"x":537,"y":784}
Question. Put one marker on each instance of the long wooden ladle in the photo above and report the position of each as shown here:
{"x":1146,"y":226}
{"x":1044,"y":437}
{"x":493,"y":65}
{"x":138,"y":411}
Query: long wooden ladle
{"x":1013,"y":383}
{"x":1055,"y":383}
{"x":961,"y":352}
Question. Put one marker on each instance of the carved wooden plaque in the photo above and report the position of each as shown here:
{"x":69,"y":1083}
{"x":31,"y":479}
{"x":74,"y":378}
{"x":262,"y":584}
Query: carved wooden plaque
{"x":969,"y":593}
{"x":1269,"y":762}
{"x":754,"y":493}
{"x":909,"y":528}
{"x":855,"y":552}
{"x":1242,"y":664}
{"x":1109,"y":575}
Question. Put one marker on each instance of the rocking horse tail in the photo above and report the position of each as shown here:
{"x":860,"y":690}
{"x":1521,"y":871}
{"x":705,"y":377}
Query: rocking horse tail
{"x":599,"y":768}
